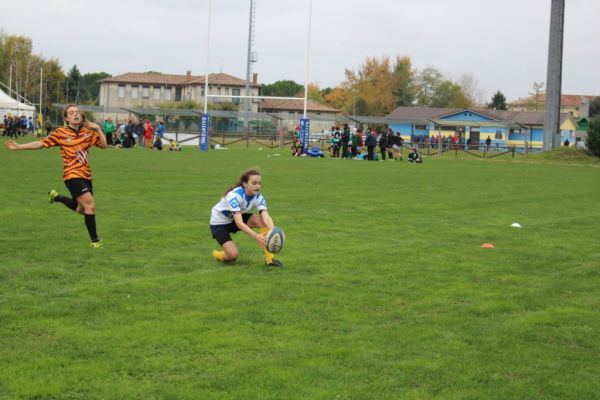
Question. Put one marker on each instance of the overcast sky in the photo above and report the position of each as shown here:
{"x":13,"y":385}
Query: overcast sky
{"x":503,"y":44}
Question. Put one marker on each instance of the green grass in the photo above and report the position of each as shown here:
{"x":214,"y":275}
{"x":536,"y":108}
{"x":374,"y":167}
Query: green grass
{"x":386,"y":292}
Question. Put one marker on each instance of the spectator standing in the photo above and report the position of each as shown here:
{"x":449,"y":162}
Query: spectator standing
{"x":371,"y":143}
{"x":109,"y":129}
{"x":139,"y":132}
{"x":353,"y":143}
{"x":383,"y":144}
{"x":345,"y":139}
{"x":30,"y":126}
{"x":160,"y":129}
{"x":488,"y":141}
{"x":148,"y":133}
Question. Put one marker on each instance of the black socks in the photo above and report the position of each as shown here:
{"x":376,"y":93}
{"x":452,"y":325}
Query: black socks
{"x":90,"y":223}
{"x":67,"y":201}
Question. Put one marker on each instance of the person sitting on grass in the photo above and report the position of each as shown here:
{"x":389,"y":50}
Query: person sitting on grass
{"x":173,"y":145}
{"x":414,"y":156}
{"x":157,"y":145}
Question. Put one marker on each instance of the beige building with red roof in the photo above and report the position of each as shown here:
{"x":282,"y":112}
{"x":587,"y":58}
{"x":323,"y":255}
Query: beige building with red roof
{"x":151,"y":89}
{"x":576,"y":105}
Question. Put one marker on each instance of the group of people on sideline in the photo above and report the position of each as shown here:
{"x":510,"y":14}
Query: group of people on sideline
{"x":134,"y":132}
{"x":14,"y":126}
{"x":349,"y":144}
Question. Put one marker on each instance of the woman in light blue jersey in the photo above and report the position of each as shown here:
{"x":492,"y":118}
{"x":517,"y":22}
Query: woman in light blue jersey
{"x":233,"y":213}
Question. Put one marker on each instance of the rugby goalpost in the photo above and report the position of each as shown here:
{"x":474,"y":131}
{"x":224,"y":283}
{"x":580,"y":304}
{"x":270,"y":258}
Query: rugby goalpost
{"x":204,"y":139}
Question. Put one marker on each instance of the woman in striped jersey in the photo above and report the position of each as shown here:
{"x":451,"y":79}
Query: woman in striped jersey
{"x":74,"y":140}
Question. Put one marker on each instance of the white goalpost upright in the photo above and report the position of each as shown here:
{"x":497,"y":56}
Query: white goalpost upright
{"x":205,"y":119}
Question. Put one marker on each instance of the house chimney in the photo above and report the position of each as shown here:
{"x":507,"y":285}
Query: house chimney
{"x":189,"y":75}
{"x":254,"y":78}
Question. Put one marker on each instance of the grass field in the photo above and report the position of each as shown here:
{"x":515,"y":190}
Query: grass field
{"x":386,"y":292}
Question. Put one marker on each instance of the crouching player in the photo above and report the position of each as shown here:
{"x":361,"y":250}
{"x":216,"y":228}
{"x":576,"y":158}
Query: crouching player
{"x":233,"y":213}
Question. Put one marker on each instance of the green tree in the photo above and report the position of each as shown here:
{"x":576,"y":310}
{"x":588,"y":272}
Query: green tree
{"x":73,"y":85}
{"x":90,"y":87}
{"x":449,"y":94}
{"x":593,"y":138}
{"x":403,"y":90}
{"x":595,"y":107}
{"x":426,"y":84}
{"x":53,"y":87}
{"x":284,"y":88}
{"x":498,"y":101}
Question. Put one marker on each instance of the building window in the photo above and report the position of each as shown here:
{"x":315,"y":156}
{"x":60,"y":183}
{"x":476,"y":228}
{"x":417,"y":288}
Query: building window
{"x":168,"y":94}
{"x":515,"y":131}
{"x":227,"y":91}
{"x":498,"y":135}
{"x":219,"y":90}
{"x":421,"y":127}
{"x":156,"y":92}
{"x":235,"y":92}
{"x":178,"y":94}
{"x":145,"y":92}
{"x":202,"y":91}
{"x":121,"y":91}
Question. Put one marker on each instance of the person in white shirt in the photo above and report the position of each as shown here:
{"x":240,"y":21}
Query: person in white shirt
{"x":233,"y":213}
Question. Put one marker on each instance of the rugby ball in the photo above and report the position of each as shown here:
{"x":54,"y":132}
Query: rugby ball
{"x":274,"y":240}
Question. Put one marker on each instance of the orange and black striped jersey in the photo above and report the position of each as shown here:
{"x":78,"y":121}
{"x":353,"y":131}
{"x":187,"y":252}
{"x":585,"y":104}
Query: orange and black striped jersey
{"x":74,"y":147}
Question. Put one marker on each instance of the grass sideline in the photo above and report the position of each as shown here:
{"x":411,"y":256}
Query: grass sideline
{"x":386,"y":293}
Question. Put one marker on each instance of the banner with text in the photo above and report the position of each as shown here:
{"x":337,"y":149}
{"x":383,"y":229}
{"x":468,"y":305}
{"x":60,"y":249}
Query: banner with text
{"x":304,"y":134}
{"x":204,"y":128}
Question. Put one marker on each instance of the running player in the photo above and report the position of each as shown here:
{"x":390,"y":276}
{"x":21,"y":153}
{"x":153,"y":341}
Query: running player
{"x":233,"y":213}
{"x":74,"y":141}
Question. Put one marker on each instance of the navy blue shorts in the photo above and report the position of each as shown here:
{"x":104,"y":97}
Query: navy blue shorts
{"x":222,"y":233}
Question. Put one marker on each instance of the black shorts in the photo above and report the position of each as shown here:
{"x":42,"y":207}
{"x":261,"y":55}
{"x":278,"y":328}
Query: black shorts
{"x":222,"y":233}
{"x":79,"y":186}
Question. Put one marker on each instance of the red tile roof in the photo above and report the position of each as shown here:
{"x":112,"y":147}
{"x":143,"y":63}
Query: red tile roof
{"x":156,"y":78}
{"x":566,"y":100}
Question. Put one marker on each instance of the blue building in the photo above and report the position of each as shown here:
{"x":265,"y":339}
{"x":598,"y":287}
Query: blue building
{"x":504,"y":128}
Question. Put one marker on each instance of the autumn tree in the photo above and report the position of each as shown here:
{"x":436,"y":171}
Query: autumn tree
{"x":375,"y":85}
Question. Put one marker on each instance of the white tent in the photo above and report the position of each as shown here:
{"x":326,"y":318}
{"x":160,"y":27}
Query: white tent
{"x":10,"y":106}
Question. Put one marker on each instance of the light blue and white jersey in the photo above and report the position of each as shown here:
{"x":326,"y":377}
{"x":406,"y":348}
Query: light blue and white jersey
{"x":236,"y":201}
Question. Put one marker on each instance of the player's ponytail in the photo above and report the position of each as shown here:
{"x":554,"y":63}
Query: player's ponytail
{"x":244,"y":178}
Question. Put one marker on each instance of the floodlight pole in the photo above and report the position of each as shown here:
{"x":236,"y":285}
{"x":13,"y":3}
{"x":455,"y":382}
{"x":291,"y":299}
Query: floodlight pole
{"x":554,"y":76}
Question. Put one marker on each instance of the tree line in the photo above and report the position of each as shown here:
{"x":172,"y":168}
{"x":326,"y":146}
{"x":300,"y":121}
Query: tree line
{"x":20,"y":69}
{"x":375,"y":88}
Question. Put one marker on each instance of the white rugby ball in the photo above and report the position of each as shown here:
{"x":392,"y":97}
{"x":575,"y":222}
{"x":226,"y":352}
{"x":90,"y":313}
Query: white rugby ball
{"x":275,"y":239}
